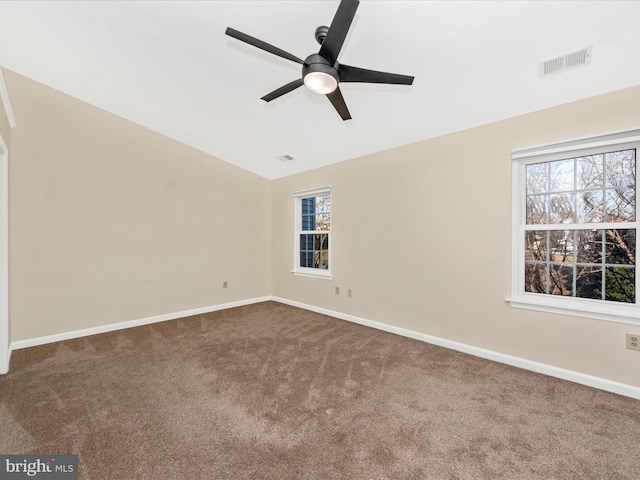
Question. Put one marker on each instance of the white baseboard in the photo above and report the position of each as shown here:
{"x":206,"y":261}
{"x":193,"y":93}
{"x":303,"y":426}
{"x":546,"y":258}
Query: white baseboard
{"x":33,"y":342}
{"x":576,"y":377}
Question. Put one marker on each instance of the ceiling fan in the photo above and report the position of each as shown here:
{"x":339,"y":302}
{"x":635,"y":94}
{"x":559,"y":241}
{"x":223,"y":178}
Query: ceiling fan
{"x":321,"y":72}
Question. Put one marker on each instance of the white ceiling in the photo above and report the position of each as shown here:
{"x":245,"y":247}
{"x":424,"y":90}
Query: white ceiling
{"x":170,"y":67}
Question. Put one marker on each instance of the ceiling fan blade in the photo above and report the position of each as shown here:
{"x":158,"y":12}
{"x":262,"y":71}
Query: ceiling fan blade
{"x":338,"y":30}
{"x":243,"y":37}
{"x":339,"y":104}
{"x":282,"y":90}
{"x":356,"y":74}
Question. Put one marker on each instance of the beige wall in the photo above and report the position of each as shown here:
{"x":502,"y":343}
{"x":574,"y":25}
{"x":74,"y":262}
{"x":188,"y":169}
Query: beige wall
{"x":422,"y":235}
{"x":111,"y":222}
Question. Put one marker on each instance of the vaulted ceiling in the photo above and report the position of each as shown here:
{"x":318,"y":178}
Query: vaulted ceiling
{"x":170,"y":67}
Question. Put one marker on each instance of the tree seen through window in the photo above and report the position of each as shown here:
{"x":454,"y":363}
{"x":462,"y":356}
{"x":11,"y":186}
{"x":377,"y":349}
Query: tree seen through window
{"x":578,"y":241}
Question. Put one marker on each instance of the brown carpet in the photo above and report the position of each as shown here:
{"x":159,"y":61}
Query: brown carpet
{"x":269,"y":391}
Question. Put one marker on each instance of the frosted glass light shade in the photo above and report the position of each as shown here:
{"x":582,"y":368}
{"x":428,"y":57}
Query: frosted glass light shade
{"x":320,"y":82}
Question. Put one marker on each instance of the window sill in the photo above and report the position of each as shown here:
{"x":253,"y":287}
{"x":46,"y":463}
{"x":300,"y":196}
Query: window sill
{"x":324,"y":274}
{"x":599,"y":310}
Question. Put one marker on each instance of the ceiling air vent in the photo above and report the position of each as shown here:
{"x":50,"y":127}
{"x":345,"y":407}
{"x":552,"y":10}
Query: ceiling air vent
{"x":577,"y":58}
{"x":286,"y":158}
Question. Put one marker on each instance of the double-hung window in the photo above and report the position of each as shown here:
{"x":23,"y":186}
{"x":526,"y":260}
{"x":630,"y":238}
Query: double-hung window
{"x":575,"y":223}
{"x":312,"y":236}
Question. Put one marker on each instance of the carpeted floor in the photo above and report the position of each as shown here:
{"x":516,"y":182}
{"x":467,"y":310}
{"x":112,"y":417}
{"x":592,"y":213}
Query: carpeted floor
{"x":268,"y":391}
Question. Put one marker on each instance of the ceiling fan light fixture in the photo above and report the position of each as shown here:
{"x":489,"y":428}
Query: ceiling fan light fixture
{"x":320,"y":82}
{"x":319,"y":76}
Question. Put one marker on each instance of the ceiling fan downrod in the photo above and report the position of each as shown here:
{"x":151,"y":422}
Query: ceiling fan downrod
{"x":321,"y":33}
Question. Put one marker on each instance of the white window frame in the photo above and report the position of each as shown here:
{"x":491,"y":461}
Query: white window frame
{"x":599,"y":309}
{"x":297,"y":212}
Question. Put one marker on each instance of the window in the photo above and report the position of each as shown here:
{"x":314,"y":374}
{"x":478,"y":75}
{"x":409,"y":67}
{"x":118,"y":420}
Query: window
{"x":312,"y":232}
{"x":575,"y":227}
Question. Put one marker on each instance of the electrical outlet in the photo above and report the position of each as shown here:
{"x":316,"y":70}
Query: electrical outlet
{"x":349,"y":293}
{"x":337,"y":290}
{"x":633,"y":341}
{"x":225,"y":284}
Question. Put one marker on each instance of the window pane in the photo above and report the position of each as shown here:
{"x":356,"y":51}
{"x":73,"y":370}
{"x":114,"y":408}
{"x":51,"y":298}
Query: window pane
{"x":589,"y":246}
{"x":561,"y":245}
{"x":321,"y":246}
{"x":535,"y":277}
{"x":308,"y":214}
{"x":589,"y":172}
{"x":620,"y":247}
{"x":589,"y":282}
{"x":309,"y":206}
{"x":323,"y":212}
{"x":306,"y":251}
{"x":620,"y":205}
{"x":621,"y":186}
{"x":316,"y":213}
{"x":314,"y":250}
{"x":537,"y":178}
{"x":560,"y":280}
{"x":323,"y":221}
{"x":620,"y":284}
{"x":536,"y":245}
{"x":536,"y":209}
{"x":589,"y":206}
{"x":561,"y":176}
{"x":581,"y":250}
{"x":306,"y":259}
{"x":322,"y":260}
{"x":621,"y":169}
{"x":306,"y":242}
{"x":562,"y":208}
{"x":317,"y":244}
